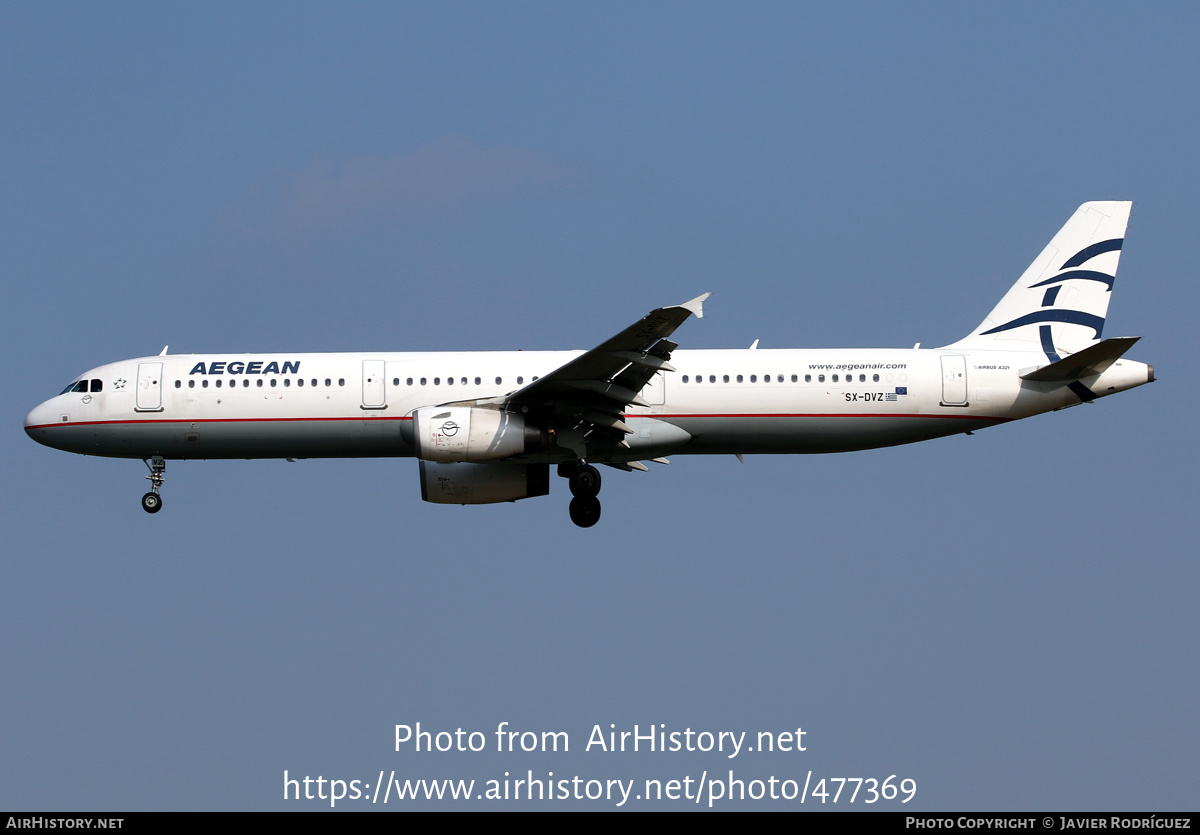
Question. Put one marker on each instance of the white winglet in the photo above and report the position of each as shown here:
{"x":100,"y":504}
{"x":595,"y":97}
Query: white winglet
{"x":696,"y":306}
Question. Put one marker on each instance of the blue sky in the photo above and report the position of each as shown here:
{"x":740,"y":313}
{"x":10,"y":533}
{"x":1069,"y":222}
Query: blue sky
{"x":1008,"y":618}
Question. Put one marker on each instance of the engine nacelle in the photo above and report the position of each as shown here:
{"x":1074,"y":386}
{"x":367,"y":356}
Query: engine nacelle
{"x":462,"y":433}
{"x":482,"y":483}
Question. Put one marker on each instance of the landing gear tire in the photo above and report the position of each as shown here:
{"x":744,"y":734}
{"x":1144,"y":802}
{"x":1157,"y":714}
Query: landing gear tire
{"x":585,"y":483}
{"x":152,"y":503}
{"x":585,"y":511}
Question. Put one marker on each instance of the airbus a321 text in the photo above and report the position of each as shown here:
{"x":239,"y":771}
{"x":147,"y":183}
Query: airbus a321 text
{"x":487,"y":426}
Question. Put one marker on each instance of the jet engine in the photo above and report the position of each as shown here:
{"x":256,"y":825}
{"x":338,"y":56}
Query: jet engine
{"x":464,"y":433}
{"x":482,"y":483}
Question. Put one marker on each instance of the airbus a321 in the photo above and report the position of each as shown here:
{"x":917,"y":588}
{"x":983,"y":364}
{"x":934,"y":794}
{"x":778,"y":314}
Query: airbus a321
{"x":488,"y":426}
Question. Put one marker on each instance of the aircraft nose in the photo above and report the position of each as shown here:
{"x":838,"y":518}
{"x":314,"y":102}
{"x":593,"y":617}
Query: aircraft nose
{"x":38,"y":417}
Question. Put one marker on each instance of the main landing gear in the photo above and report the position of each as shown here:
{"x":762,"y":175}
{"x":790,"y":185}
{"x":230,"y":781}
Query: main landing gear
{"x":584,"y":481}
{"x":152,"y":502}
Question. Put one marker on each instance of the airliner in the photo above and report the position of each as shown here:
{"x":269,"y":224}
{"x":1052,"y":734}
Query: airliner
{"x":487,"y":426}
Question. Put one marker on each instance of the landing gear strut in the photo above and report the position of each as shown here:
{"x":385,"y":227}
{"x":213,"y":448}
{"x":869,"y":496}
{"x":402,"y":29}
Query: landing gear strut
{"x":152,"y":501}
{"x":584,"y":481}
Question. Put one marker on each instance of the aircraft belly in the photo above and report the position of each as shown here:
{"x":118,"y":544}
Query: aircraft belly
{"x":815,"y":433}
{"x":351,"y":437}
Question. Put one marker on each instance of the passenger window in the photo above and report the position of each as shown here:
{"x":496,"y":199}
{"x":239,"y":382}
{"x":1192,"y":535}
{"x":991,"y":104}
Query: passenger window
{"x":410,"y":381}
{"x":464,"y":380}
{"x":327,"y":382}
{"x":274,"y":382}
{"x":766,"y":378}
{"x":726,"y":378}
{"x":520,"y":381}
{"x":862,"y":378}
{"x":422,"y":381}
{"x":497,"y":381}
{"x":754,"y":378}
{"x":178,"y":384}
{"x":191,"y":384}
{"x":478,"y":381}
{"x":204,"y":384}
{"x":341,"y":381}
{"x":260,"y":383}
{"x":779,"y":379}
{"x":808,"y":378}
{"x":218,"y":382}
{"x":395,"y":381}
{"x":875,"y":378}
{"x":821,"y":378}
{"x":685,"y":378}
{"x":712,"y":378}
{"x":245,"y":384}
{"x":739,"y":378}
{"x":437,"y":381}
{"x":287,"y":383}
{"x":835,"y":378}
{"x":795,"y":378}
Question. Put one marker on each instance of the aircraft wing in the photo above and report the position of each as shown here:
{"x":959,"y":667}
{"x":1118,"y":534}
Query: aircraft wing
{"x":591,"y":392}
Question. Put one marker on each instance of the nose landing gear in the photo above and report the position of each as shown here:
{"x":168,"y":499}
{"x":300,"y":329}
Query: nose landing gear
{"x":584,"y":481}
{"x":152,"y":501}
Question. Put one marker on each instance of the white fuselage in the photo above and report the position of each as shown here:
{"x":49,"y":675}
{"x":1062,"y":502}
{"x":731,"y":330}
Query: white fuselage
{"x":720,"y":401}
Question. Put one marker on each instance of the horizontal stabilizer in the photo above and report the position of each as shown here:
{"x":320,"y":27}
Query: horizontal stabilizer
{"x":1086,"y":363}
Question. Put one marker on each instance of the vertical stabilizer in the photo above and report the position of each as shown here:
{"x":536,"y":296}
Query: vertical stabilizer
{"x":1059,"y":304}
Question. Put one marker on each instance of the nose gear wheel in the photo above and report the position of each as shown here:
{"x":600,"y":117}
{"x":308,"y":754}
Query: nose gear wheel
{"x":152,"y":501}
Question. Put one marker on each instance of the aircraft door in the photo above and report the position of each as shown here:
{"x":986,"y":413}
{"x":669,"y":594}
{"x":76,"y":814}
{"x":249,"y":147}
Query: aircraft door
{"x":954,"y":381}
{"x":374,"y":385}
{"x":149,"y":387}
{"x":654,"y":392}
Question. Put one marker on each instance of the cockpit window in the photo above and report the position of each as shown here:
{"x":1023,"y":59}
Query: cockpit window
{"x":78,"y":385}
{"x":97,"y":385}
